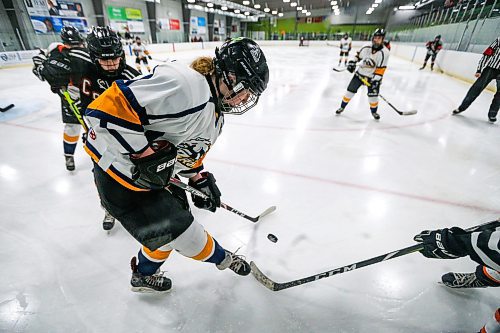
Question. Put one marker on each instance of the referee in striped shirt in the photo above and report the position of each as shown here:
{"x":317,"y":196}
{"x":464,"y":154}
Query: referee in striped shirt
{"x":488,"y":69}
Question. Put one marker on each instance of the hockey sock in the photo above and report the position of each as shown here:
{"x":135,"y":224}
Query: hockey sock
{"x":345,"y":101}
{"x":488,"y":276}
{"x":70,"y":138}
{"x":150,"y":261}
{"x":373,"y":103}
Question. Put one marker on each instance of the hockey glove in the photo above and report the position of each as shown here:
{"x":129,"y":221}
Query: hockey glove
{"x":57,"y":72}
{"x":154,"y":171}
{"x":442,"y":243}
{"x":150,"y":58}
{"x":207,"y":185}
{"x":351,"y":66}
{"x":38,"y":61}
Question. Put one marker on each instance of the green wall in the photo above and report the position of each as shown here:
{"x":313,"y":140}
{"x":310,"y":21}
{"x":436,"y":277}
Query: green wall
{"x":288,"y":25}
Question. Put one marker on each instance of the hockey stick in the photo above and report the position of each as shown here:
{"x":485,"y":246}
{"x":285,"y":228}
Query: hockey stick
{"x":192,"y":190}
{"x":275,"y":286}
{"x":72,"y":106}
{"x":7,"y":108}
{"x":164,"y":61}
{"x":401,"y":113}
{"x":339,"y":69}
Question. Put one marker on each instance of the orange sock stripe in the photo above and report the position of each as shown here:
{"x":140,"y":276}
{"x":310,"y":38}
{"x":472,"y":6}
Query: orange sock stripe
{"x":497,"y":315}
{"x":207,"y":250}
{"x":346,"y":99}
{"x":373,"y":105}
{"x":156,"y":255}
{"x":485,"y":271}
{"x":483,"y":330}
{"x":70,"y":139}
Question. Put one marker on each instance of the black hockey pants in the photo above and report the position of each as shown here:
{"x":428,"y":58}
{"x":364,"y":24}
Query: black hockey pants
{"x":487,"y":75}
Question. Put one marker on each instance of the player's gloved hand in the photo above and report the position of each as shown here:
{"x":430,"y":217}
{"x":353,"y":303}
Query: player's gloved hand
{"x":150,"y":58}
{"x":57,"y":72}
{"x":351,"y":66}
{"x":38,"y":61}
{"x":154,"y":171}
{"x":442,"y":243}
{"x":207,"y":185}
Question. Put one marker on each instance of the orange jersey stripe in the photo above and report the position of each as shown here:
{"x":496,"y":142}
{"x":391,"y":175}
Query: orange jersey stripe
{"x":114,"y":103}
{"x":156,"y":254}
{"x":485,"y":271}
{"x":70,"y":139}
{"x":112,"y":174}
{"x":207,"y":250}
{"x":380,"y":71}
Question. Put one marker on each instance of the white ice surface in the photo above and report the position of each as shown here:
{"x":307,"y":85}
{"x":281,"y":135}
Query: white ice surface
{"x":347,"y":188}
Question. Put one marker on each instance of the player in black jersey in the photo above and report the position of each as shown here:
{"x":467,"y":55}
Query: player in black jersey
{"x":90,"y":74}
{"x":72,"y":39}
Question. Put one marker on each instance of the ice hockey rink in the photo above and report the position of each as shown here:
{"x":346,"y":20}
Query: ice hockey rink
{"x":347,"y":188}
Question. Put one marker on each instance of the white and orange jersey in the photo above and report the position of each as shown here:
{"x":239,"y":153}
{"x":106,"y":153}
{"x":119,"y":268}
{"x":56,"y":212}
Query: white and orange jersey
{"x":345,"y":44}
{"x":173,"y":103}
{"x":139,"y":50}
{"x":372,"y":64}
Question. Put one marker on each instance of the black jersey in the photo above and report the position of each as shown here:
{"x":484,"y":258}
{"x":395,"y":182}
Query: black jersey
{"x":78,"y":70}
{"x":89,"y":78}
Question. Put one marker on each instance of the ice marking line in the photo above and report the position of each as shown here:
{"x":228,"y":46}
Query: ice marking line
{"x":391,"y":127}
{"x":324,"y":180}
{"x":362,"y":187}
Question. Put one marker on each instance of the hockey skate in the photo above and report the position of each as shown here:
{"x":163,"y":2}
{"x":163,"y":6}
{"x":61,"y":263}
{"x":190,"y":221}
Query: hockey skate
{"x":108,"y":222}
{"x":423,"y":66}
{"x":70,"y":162}
{"x":492,"y":116}
{"x":457,"y":111}
{"x":339,"y":110}
{"x":375,"y":115}
{"x":156,"y":283}
{"x":462,"y":280}
{"x":235,"y":263}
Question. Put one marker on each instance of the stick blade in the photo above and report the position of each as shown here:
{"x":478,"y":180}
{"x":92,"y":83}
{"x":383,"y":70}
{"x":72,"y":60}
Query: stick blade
{"x":267,"y":211}
{"x":409,"y":113}
{"x":262,"y":278}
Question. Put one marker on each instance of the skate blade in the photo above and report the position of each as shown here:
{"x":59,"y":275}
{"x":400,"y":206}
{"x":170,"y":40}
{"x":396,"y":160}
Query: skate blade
{"x":145,"y":290}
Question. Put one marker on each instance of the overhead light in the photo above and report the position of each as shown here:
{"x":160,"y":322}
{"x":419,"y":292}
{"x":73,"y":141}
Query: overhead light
{"x":406,"y":7}
{"x":211,"y":10}
{"x":308,"y":14}
{"x":267,"y":10}
{"x":368,"y":12}
{"x":378,"y":1}
{"x":299,"y":8}
{"x":191,"y":1}
{"x":293,"y":4}
{"x":246,"y":2}
{"x":223,"y":8}
{"x":335,"y":7}
{"x":210,"y":5}
{"x":274,"y":12}
{"x":286,"y":1}
{"x":237,"y":11}
{"x":304,"y":11}
{"x":256,"y":6}
{"x":375,"y":5}
{"x":333,"y":3}
{"x":247,"y":13}
{"x":280,"y":14}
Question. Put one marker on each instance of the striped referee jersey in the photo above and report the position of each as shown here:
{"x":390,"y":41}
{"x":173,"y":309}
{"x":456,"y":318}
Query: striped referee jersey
{"x":491,"y":56}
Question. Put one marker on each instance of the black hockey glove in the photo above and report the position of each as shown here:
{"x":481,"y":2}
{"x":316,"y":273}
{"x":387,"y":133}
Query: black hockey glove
{"x":150,"y":58}
{"x":207,"y":185}
{"x":351,"y":66}
{"x":57,"y":72}
{"x":442,"y":243}
{"x":154,"y":171}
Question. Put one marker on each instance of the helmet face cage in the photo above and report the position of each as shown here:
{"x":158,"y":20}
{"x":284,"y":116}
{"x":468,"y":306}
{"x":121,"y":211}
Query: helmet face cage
{"x":378,"y":33}
{"x":104,"y":44}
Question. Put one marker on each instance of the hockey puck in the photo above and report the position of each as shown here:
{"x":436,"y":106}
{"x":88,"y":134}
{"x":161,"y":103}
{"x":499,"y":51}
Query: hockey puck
{"x":272,"y":238}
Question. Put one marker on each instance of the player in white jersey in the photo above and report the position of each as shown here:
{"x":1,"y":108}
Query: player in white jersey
{"x":143,"y":131}
{"x":372,"y":59}
{"x":345,"y":48}
{"x":141,"y":54}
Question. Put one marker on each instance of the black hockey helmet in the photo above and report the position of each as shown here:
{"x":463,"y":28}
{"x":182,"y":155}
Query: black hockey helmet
{"x":241,"y":64}
{"x":346,"y":35}
{"x":437,"y":37}
{"x":378,"y":33}
{"x":104,"y":44}
{"x":71,"y":36}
